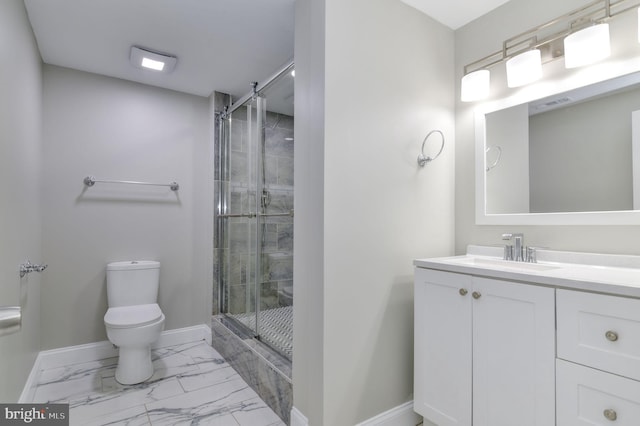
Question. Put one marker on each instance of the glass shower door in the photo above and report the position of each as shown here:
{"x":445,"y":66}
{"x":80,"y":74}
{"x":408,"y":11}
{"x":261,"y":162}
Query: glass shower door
{"x":254,"y":215}
{"x":241,"y":295}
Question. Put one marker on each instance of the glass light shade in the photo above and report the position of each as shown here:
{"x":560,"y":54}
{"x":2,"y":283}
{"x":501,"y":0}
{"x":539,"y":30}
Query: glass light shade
{"x":587,"y":46}
{"x":475,"y":86}
{"x":524,"y":68}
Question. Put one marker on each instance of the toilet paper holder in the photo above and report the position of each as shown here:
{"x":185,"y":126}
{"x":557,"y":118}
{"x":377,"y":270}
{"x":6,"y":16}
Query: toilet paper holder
{"x":11,"y":316}
{"x":10,"y":319}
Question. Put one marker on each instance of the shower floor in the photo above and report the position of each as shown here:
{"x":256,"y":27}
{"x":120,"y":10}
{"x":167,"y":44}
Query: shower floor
{"x":275,"y":327}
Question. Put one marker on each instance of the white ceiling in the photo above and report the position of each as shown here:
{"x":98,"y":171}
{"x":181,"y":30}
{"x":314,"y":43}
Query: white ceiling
{"x":455,"y":13}
{"x":221,"y":45}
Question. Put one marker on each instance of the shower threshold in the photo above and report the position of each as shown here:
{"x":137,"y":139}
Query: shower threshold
{"x":275,"y":327}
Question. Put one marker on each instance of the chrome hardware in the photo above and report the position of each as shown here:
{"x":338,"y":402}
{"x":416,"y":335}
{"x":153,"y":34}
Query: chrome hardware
{"x":497,"y":160}
{"x":28,"y":267}
{"x":463,"y":292}
{"x":423,"y":159}
{"x":251,"y":215}
{"x":530,"y":255}
{"x":10,"y":319}
{"x":612,"y":336}
{"x":610,"y":414}
{"x":519,"y":244}
{"x":508,"y":252}
{"x":265,"y":200}
{"x":476,"y":295}
{"x":90,"y":181}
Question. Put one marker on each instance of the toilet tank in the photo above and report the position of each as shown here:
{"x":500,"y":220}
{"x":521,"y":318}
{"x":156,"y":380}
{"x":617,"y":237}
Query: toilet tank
{"x":132,"y":282}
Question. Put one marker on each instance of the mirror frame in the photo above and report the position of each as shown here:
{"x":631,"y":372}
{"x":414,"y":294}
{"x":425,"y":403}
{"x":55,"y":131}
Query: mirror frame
{"x":543,"y":89}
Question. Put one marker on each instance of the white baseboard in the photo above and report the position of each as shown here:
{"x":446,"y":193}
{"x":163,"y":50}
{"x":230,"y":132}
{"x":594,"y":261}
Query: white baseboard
{"x":297,"y":418}
{"x":70,"y":355}
{"x":29,"y":390}
{"x":402,"y":415}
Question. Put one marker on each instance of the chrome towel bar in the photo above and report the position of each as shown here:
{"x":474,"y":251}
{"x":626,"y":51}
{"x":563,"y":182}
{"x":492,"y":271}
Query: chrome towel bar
{"x":90,"y":181}
{"x":251,"y":215}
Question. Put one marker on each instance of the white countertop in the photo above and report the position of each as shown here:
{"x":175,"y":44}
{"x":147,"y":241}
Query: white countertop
{"x":601,"y":273}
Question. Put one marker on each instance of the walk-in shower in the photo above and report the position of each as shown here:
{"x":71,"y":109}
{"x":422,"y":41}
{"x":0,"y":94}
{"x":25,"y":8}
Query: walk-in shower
{"x":254,"y":213}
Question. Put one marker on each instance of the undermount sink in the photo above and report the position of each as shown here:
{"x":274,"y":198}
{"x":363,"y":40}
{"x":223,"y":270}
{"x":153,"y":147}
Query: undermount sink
{"x":510,"y":265}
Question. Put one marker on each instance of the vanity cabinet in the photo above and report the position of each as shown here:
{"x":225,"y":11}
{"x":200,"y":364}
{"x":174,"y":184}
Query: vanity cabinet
{"x":484,"y":351}
{"x":598,"y":367}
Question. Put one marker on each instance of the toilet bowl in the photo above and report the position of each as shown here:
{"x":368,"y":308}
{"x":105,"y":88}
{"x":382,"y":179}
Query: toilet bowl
{"x":134,"y":320}
{"x":133,"y":329}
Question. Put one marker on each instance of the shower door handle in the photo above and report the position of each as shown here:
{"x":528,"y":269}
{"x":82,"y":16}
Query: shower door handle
{"x":250,"y":215}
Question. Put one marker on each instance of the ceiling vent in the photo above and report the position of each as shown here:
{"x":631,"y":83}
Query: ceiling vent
{"x":150,"y":60}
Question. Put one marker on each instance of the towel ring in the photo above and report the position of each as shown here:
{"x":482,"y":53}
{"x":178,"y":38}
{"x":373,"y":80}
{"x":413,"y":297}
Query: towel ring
{"x":495,"y":163}
{"x":423,"y":159}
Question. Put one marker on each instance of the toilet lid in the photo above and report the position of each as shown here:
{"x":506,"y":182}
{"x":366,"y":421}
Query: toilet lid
{"x":132,"y":316}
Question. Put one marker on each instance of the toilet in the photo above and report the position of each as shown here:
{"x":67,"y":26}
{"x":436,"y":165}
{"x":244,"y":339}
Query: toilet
{"x":134,"y":320}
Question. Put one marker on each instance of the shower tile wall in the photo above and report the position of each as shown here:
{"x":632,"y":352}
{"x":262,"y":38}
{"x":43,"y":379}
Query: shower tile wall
{"x":236,"y":254}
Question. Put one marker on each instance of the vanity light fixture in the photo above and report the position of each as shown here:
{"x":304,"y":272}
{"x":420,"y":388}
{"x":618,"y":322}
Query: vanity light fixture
{"x":155,"y":61}
{"x":565,"y":36}
{"x":475,"y":86}
{"x":587,"y":46}
{"x":524,"y":68}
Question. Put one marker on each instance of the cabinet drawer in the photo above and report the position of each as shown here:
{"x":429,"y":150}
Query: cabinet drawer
{"x":599,"y":331}
{"x":585,"y":396}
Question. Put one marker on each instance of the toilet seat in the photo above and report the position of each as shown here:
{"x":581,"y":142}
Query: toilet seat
{"x":132,"y":316}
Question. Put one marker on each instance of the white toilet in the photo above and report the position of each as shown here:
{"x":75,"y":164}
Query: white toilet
{"x":134,"y":320}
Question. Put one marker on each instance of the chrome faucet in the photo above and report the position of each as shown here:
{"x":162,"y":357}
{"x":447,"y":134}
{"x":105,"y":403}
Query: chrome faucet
{"x":518,"y":251}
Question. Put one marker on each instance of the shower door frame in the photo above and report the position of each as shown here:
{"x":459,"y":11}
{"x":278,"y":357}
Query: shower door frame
{"x":221,"y":210}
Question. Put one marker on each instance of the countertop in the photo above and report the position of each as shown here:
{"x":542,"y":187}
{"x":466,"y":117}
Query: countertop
{"x":594,"y":272}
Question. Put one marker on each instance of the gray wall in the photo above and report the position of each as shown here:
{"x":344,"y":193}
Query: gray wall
{"x":372,"y":79}
{"x":581,"y":156}
{"x":20,"y":172}
{"x":113,"y":129}
{"x":508,"y":182}
{"x":476,"y":40}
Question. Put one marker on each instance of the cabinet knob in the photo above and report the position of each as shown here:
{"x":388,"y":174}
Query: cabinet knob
{"x":476,"y":295}
{"x":610,"y":414}
{"x":611,"y":335}
{"x":463,"y":292}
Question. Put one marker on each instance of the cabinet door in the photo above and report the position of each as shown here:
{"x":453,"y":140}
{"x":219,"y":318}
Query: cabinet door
{"x":513,"y":354}
{"x":442,"y":359}
{"x":588,"y":397}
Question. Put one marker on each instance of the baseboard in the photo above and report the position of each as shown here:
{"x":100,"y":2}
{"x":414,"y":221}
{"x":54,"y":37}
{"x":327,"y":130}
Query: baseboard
{"x":29,"y":390}
{"x":402,"y":415}
{"x":297,"y":418}
{"x":183,"y":335}
{"x":70,"y":355}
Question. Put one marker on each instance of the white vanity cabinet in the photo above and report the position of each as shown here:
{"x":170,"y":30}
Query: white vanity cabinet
{"x":598,"y":368}
{"x":484,"y":351}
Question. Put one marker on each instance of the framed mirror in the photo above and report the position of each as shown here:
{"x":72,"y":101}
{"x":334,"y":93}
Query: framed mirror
{"x":565,"y":157}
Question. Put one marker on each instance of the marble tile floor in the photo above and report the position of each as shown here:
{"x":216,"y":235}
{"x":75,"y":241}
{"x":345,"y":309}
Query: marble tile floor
{"x":192,"y":385}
